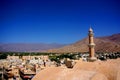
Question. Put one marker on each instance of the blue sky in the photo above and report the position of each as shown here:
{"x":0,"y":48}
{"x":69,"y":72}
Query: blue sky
{"x":57,"y":21}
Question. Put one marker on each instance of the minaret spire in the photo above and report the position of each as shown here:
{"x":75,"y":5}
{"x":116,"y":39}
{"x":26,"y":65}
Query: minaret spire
{"x":90,"y":29}
{"x":91,"y":44}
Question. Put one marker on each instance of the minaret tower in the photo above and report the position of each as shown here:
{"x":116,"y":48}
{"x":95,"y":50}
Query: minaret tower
{"x":91,"y":44}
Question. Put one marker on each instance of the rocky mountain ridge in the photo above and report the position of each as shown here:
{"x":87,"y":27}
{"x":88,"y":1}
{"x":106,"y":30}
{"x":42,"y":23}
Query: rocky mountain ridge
{"x":103,"y":44}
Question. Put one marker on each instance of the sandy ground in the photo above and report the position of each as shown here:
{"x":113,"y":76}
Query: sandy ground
{"x":98,"y":70}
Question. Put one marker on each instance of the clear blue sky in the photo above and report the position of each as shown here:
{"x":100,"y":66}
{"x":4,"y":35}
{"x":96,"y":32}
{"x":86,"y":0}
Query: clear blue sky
{"x":56,"y":21}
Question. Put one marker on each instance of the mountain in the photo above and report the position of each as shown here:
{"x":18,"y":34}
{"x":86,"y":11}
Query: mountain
{"x":103,"y":44}
{"x":28,"y":47}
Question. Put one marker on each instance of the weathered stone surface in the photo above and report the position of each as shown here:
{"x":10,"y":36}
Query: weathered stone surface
{"x":99,"y":76}
{"x":98,"y":70}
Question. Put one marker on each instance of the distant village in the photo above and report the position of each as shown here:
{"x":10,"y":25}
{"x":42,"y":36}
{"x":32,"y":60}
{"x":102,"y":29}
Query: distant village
{"x":26,"y":67}
{"x":16,"y":68}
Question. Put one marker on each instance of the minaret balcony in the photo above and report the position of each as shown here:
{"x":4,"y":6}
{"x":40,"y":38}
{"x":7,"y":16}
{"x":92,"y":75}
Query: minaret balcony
{"x":91,"y":34}
{"x":91,"y":45}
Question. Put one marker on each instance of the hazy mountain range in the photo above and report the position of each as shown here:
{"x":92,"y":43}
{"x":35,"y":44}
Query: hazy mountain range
{"x":103,"y":44}
{"x":28,"y":47}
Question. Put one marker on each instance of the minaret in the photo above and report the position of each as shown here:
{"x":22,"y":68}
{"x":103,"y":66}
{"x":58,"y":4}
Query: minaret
{"x":91,"y":44}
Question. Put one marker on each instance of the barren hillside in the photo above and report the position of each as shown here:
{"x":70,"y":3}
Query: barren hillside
{"x":103,"y":44}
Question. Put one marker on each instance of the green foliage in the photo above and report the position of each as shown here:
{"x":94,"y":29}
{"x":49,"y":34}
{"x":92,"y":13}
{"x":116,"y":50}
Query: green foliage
{"x":25,"y":53}
{"x":58,"y":57}
{"x":70,"y":56}
{"x":53,"y":58}
{"x":3,"y":55}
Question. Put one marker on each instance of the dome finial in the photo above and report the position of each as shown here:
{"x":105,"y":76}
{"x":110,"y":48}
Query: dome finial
{"x":90,"y":29}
